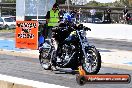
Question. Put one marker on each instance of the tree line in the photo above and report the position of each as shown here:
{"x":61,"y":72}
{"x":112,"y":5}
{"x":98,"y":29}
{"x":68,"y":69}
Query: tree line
{"x":8,"y":1}
{"x":117,"y":3}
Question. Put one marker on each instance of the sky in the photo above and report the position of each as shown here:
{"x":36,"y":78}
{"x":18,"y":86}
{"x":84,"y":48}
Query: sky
{"x":104,"y":1}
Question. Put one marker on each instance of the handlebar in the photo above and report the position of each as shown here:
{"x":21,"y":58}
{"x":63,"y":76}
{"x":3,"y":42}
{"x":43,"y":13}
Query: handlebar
{"x":79,"y":27}
{"x":86,"y":29}
{"x":59,"y":28}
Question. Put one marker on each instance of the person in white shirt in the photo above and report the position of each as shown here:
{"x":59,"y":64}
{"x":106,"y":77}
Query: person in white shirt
{"x":93,"y":12}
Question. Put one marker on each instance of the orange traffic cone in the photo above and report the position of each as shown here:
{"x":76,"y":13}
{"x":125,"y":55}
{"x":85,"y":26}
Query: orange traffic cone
{"x":81,"y":71}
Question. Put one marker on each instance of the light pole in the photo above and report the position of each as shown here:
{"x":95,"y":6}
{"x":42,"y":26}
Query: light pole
{"x":46,"y":5}
{"x":68,"y":5}
{"x":82,"y":2}
{"x":37,"y":9}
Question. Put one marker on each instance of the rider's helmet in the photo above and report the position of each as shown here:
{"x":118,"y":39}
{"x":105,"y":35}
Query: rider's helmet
{"x":67,"y":17}
{"x":56,"y":5}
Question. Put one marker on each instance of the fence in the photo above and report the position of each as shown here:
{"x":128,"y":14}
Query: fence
{"x":116,"y":12}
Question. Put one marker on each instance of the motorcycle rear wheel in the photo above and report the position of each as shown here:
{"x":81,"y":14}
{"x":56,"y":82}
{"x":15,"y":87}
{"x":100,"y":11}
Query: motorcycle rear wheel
{"x":95,"y":56}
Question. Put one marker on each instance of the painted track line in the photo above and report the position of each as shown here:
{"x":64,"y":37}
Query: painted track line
{"x":26,"y":82}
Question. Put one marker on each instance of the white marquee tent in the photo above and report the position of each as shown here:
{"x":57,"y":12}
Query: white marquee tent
{"x":32,"y":8}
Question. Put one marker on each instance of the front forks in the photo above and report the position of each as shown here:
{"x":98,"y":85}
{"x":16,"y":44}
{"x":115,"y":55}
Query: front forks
{"x":84,"y":43}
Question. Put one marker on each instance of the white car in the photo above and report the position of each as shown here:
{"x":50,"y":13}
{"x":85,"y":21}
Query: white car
{"x":8,"y":23}
{"x":1,"y":23}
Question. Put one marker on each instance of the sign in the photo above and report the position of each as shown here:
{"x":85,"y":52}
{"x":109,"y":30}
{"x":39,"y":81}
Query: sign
{"x":27,"y":34}
{"x":104,"y":78}
{"x":83,"y":78}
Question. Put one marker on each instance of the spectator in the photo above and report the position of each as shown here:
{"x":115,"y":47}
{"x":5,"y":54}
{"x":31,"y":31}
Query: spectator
{"x":128,"y":18}
{"x":52,"y":19}
{"x":79,"y":12}
{"x":108,"y":15}
{"x":125,"y":14}
{"x":92,"y":12}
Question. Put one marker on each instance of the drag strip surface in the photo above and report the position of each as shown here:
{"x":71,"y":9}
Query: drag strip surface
{"x":29,"y":68}
{"x":111,"y":44}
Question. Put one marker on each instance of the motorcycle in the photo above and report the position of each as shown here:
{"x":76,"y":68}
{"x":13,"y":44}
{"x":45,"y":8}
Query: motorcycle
{"x":74,"y":51}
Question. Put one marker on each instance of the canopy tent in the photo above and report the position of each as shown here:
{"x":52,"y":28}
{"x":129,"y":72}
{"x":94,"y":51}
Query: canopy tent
{"x":32,"y":8}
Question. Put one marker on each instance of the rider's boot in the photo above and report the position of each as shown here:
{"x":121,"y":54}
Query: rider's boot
{"x":53,"y":66}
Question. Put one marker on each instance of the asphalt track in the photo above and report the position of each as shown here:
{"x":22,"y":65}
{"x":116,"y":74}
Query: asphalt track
{"x":29,"y":68}
{"x":111,"y":44}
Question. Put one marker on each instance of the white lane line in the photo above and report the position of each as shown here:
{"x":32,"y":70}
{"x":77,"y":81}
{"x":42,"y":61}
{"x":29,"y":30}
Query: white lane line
{"x":27,"y":82}
{"x":7,"y":39}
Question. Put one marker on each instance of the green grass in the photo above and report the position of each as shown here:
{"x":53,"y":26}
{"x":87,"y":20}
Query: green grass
{"x":4,"y":30}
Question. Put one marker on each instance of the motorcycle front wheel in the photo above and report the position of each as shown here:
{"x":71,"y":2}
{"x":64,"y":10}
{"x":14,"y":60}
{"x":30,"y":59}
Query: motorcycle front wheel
{"x":93,"y":64}
{"x":44,"y":60}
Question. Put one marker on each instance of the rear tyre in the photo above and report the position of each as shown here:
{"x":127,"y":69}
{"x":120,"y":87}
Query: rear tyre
{"x":93,"y":65}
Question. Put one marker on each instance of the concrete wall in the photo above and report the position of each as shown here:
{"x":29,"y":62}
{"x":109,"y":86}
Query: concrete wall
{"x":5,"y":84}
{"x":15,"y":82}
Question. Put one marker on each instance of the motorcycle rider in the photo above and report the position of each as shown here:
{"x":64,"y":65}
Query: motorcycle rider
{"x":59,"y":40}
{"x":52,"y":19}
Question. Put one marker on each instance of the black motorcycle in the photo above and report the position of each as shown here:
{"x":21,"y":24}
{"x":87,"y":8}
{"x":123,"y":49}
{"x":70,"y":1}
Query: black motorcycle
{"x":74,"y":50}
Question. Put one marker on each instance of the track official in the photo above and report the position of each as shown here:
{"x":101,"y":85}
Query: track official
{"x":52,"y":19}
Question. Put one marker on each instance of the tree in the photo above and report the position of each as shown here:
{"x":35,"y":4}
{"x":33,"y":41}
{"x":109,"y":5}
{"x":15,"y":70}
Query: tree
{"x":61,"y":1}
{"x":80,"y":2}
{"x":127,"y":3}
{"x":9,"y":1}
{"x":95,"y":3}
{"x":117,"y":4}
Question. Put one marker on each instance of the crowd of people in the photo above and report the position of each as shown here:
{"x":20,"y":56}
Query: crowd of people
{"x":107,"y":18}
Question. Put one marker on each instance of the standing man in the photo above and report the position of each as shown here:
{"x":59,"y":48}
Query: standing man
{"x":79,"y":12}
{"x":125,"y":14}
{"x":92,"y":12}
{"x":108,"y":16}
{"x":52,"y":19}
{"x":125,"y":11}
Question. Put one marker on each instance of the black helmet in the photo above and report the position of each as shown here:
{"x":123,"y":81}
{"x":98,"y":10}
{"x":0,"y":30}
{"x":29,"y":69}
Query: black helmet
{"x":55,"y":5}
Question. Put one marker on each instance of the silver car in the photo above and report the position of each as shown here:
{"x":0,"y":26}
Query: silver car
{"x":8,"y":23}
{"x":1,"y":24}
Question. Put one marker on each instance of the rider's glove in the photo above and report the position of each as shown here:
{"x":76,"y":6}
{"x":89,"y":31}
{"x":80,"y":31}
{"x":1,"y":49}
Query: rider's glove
{"x":87,"y":29}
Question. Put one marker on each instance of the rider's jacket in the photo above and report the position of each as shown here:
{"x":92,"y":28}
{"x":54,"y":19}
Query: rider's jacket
{"x":54,"y":18}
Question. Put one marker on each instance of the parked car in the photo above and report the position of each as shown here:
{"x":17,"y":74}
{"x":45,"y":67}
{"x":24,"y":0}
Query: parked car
{"x":97,"y":20}
{"x":13,"y":17}
{"x":1,"y":24}
{"x":89,"y":20}
{"x":8,"y":23}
